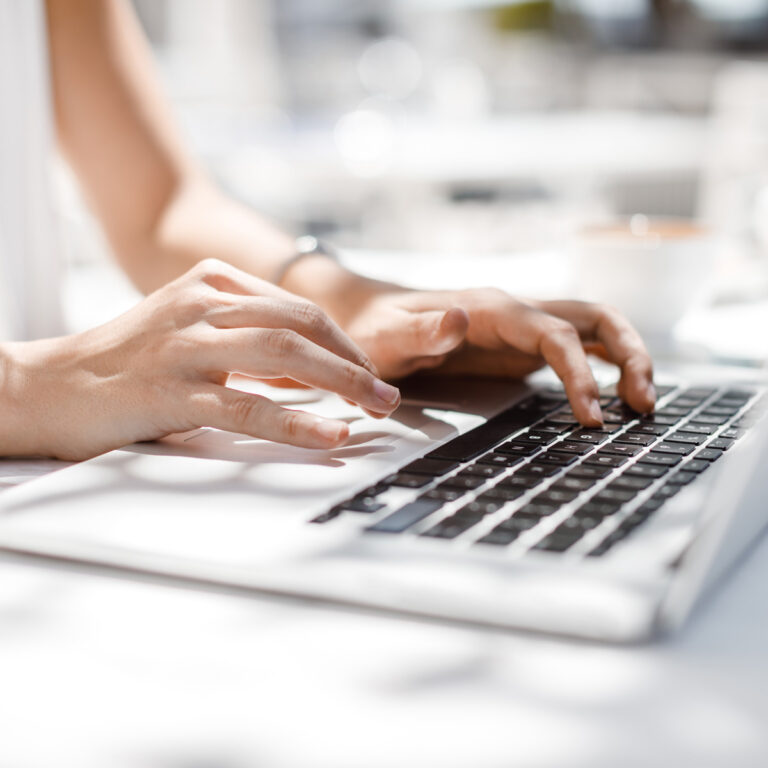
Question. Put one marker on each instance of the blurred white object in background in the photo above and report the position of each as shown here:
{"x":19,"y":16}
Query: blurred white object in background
{"x":653,"y":270}
{"x":736,"y":165}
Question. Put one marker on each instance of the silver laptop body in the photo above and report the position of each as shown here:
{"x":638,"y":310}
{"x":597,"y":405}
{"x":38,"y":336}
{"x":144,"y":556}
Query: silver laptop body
{"x":223,"y":509}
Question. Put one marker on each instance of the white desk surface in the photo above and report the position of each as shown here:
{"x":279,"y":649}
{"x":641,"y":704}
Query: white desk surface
{"x":114,"y":672}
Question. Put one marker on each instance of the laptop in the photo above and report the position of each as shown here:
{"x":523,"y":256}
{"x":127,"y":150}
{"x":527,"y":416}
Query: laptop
{"x":477,"y":501}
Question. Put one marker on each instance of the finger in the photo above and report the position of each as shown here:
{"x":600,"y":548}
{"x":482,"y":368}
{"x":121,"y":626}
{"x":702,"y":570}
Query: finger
{"x":305,"y":318}
{"x":623,"y":345}
{"x":257,"y":416}
{"x":265,"y":353}
{"x":228,"y":279}
{"x":420,"y":335}
{"x":557,"y":341}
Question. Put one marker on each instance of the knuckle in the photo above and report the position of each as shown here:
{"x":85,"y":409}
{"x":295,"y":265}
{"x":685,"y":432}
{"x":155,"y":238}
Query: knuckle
{"x":311,"y":315}
{"x":284,"y":341}
{"x":197,"y":303}
{"x":560,"y":332}
{"x":292,"y":424}
{"x":209,"y":267}
{"x":247,"y":409}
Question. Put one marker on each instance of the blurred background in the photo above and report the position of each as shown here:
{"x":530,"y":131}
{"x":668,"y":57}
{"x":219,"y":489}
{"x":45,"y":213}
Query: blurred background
{"x":463,"y":127}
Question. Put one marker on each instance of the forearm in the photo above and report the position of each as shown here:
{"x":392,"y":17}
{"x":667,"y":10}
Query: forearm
{"x":196,"y":223}
{"x":200,"y":222}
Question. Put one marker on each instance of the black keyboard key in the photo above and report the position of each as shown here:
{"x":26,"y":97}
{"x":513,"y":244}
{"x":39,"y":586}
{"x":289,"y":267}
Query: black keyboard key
{"x":503,"y":493}
{"x":604,"y":460}
{"x":660,"y":419}
{"x":555,"y":496}
{"x":688,"y":403}
{"x":675,"y":412}
{"x":721,"y":444}
{"x":462,"y":481}
{"x":406,"y":516}
{"x":598,"y":509}
{"x":696,"y":465}
{"x":557,"y":458}
{"x":482,"y":470}
{"x":660,"y":459}
{"x":480,"y":507}
{"x":697,"y":429}
{"x":682,"y":478}
{"x":513,"y":448}
{"x":629,"y":483}
{"x":674,"y":449}
{"x":563,"y":419}
{"x":575,"y":449}
{"x":617,"y":419}
{"x":731,"y":434}
{"x":536,"y":438}
{"x":587,"y":472}
{"x":402,"y":480}
{"x":709,"y":454}
{"x":698,"y":393}
{"x":536,"y":469}
{"x":739,"y":394}
{"x":558,"y":541}
{"x":432,"y":467}
{"x":442,"y":493}
{"x":645,"y":470}
{"x":613,"y":496}
{"x":635,"y":438}
{"x":554,"y":426}
{"x":576,"y":484}
{"x":581,"y":522}
{"x":535,"y":511}
{"x":518,"y":524}
{"x":591,"y":436}
{"x":450,"y":528}
{"x":364,"y":504}
{"x":500,"y":460}
{"x":620,"y":449}
{"x":499,"y":537}
{"x":648,"y":429}
{"x":709,"y":418}
{"x":685,"y":438}
{"x":525,"y":482}
{"x":719,"y":410}
{"x":667,"y":491}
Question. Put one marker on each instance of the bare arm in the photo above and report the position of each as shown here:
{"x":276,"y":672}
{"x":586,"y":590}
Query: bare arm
{"x":163,"y":216}
{"x":159,"y":211}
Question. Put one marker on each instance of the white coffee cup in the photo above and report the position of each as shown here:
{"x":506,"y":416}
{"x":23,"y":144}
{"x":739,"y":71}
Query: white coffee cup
{"x":653,"y":270}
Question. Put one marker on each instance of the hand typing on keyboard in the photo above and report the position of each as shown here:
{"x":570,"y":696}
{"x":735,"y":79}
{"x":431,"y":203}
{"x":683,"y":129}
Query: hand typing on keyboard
{"x":487,"y":331}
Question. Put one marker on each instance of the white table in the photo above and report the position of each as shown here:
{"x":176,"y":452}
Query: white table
{"x":99,"y":671}
{"x":103,"y":671}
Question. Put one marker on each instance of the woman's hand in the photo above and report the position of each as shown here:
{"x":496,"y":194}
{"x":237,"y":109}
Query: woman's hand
{"x":163,"y":366}
{"x":486,"y":331}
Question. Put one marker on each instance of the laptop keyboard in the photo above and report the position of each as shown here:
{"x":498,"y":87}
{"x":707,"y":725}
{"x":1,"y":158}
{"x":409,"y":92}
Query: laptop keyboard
{"x":531,"y":478}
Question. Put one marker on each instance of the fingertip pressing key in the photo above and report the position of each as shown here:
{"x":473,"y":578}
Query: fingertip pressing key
{"x":596,"y":413}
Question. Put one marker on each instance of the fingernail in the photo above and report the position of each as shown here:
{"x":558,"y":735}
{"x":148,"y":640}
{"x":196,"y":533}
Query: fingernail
{"x":386,"y":393}
{"x":330,"y":430}
{"x":595,"y":411}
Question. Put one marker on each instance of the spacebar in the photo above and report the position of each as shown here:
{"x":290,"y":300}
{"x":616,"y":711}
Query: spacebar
{"x":482,"y":438}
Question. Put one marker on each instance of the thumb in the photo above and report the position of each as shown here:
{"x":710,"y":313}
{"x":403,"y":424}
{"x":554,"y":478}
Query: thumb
{"x":435,"y":332}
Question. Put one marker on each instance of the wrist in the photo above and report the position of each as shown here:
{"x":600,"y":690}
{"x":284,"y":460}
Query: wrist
{"x":19,"y":432}
{"x":329,"y":284}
